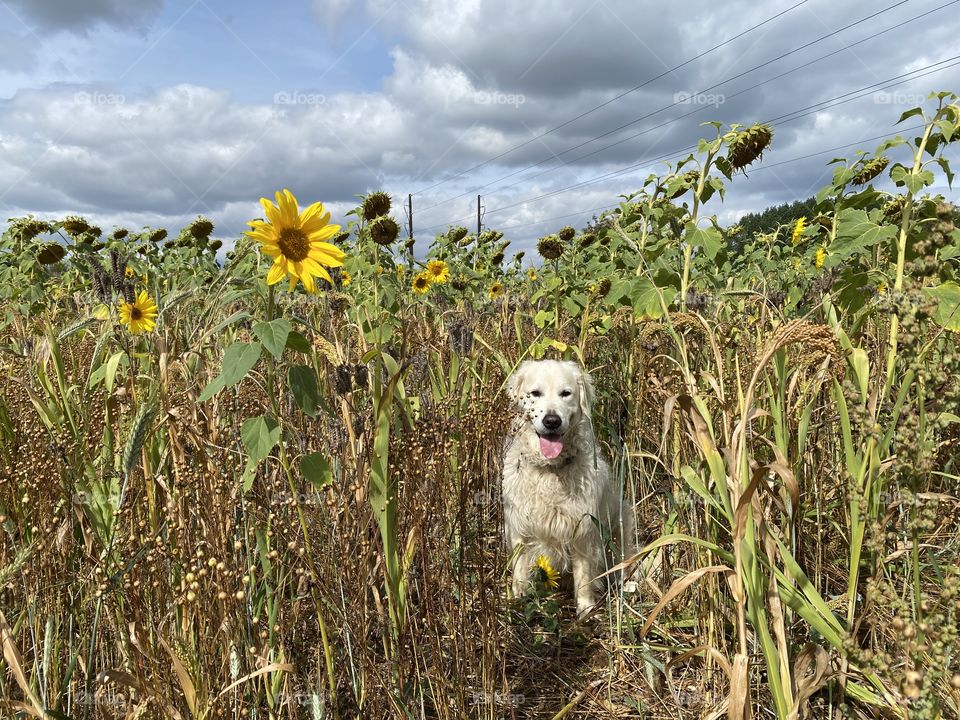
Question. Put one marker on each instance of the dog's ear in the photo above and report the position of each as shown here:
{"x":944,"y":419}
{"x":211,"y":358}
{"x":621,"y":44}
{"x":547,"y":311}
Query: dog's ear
{"x":587,"y":393}
{"x":515,"y":382}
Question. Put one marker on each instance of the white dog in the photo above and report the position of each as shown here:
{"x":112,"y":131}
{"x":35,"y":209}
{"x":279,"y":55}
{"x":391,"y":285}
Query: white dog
{"x":559,"y":499}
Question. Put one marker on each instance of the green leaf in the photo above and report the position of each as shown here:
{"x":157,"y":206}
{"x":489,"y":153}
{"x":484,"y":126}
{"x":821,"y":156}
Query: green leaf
{"x":259,"y":434}
{"x":645,"y":297}
{"x":856,"y":232}
{"x":316,"y":469}
{"x":298,"y":343}
{"x":948,"y":297}
{"x":238,"y":360}
{"x":709,"y":238}
{"x":273,"y":335}
{"x":913,"y":181}
{"x":303,"y":385}
{"x":909,"y":114}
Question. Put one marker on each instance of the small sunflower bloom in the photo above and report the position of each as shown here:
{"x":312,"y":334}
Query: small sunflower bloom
{"x":495,"y":290}
{"x":400,"y":271}
{"x":129,"y":272}
{"x":345,"y":278}
{"x":547,"y":574}
{"x":421,"y":283}
{"x":438,"y":271}
{"x":798,"y":231}
{"x":820,"y":257}
{"x":297,"y":241}
{"x":140,"y":315}
{"x":532,"y":275}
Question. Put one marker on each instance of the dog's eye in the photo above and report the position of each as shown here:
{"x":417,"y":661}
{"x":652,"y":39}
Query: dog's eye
{"x":535,"y":393}
{"x":565,"y":393}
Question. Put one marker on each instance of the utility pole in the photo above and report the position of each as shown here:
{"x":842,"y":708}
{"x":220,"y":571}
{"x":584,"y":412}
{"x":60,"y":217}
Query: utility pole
{"x":410,"y":215}
{"x":478,"y":218}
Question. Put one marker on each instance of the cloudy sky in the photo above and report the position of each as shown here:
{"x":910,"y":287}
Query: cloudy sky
{"x":149,"y":112}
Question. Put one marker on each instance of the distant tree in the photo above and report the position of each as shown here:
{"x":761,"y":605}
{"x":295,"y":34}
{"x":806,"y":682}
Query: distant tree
{"x":768,"y":220}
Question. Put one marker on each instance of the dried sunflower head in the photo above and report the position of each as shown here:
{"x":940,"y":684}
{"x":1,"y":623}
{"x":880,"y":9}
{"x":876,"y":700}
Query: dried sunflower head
{"x":550,"y":247}
{"x":200,"y":228}
{"x":75,"y":225}
{"x":456,"y":234}
{"x":870,"y":169}
{"x":384,"y":230}
{"x":748,"y":144}
{"x":50,"y":253}
{"x":375,"y":204}
{"x":566,"y":234}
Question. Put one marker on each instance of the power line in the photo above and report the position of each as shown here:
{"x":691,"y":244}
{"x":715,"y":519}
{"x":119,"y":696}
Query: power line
{"x":762,"y":167}
{"x":898,"y":26}
{"x":795,"y":115}
{"x":615,"y":98}
{"x":679,"y":102}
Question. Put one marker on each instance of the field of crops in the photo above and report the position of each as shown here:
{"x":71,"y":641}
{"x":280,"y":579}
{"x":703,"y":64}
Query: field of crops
{"x":268,"y":487}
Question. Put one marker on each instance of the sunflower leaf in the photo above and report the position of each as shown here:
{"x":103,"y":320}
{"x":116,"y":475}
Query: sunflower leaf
{"x":303,"y":385}
{"x":238,"y":360}
{"x":316,"y":469}
{"x":273,"y":335}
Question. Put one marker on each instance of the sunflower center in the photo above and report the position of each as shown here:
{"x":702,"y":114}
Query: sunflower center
{"x":136,"y":313}
{"x":294,"y":244}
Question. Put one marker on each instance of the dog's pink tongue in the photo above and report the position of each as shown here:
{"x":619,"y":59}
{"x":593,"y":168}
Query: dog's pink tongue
{"x":551,"y":447}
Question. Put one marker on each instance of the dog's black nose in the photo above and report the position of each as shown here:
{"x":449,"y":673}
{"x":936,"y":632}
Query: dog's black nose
{"x":552,"y":421}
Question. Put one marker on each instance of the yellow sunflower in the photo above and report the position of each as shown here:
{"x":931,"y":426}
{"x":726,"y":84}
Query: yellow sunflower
{"x":495,"y":290}
{"x":531,"y":275}
{"x":129,"y":272}
{"x":438,"y":271}
{"x":345,"y":278}
{"x":400,"y":271}
{"x":548,"y":574}
{"x":296,"y":241}
{"x":820,"y":257}
{"x":798,"y":231}
{"x":140,"y":315}
{"x":421,"y":283}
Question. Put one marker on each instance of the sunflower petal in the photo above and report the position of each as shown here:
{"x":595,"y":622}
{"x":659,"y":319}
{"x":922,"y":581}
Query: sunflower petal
{"x":277,"y":271}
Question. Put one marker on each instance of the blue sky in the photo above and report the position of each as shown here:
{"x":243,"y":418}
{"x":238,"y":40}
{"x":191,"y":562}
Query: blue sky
{"x":148,"y":112}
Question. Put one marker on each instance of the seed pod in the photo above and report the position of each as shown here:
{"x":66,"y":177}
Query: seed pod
{"x":384,"y":230}
{"x":550,"y":247}
{"x":375,"y":204}
{"x":870,"y":169}
{"x":747,"y":145}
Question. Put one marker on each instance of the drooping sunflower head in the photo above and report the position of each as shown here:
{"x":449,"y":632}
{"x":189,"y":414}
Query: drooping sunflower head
{"x":870,"y":169}
{"x":490,"y":236}
{"x":200,"y":228}
{"x":550,"y":247}
{"x":384,"y":230}
{"x":586,"y":240}
{"x":28,"y":227}
{"x":495,"y":290}
{"x":140,"y":315}
{"x":120,"y":233}
{"x":375,"y":204}
{"x":497,"y":259}
{"x":158,"y":235}
{"x":546,"y":573}
{"x":421,"y":283}
{"x":747,"y":144}
{"x":566,"y":234}
{"x":50,"y":253}
{"x":798,"y":229}
{"x":75,"y":225}
{"x":456,"y":234}
{"x":438,"y":271}
{"x":296,"y":241}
